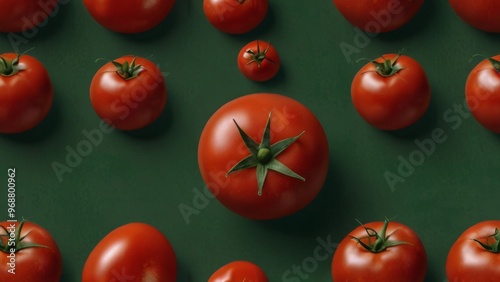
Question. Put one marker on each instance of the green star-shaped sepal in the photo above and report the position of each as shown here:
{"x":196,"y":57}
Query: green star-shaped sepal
{"x":263,"y":155}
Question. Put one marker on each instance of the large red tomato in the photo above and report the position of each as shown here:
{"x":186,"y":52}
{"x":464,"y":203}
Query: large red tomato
{"x":378,"y":16}
{"x":479,"y":14}
{"x":132,"y":16}
{"x":135,"y":252}
{"x":28,"y":253}
{"x":391,"y":92}
{"x":128,"y":93}
{"x":482,"y":92}
{"x":23,"y":15}
{"x":380,"y":252}
{"x":475,"y":255}
{"x":239,"y":271}
{"x":235,"y":16}
{"x":263,"y":155}
{"x":26,"y":93}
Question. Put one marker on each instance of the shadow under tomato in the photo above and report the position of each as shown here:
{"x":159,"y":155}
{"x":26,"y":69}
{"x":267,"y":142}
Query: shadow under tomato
{"x":42,"y":130}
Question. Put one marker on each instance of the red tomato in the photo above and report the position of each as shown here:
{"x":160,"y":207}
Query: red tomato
{"x":128,"y":93}
{"x":391,"y":92}
{"x":378,"y":16}
{"x":380,"y":252}
{"x":482,"y":92}
{"x":235,"y":16}
{"x":135,"y":252}
{"x":31,"y":255}
{"x":239,"y":271}
{"x":480,"y":15}
{"x":133,"y":17}
{"x":26,"y":93}
{"x":475,"y":255}
{"x":264,"y":156}
{"x":259,"y":61}
{"x":23,"y":15}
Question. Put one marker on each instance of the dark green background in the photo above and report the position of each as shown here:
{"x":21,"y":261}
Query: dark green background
{"x":145,"y":175}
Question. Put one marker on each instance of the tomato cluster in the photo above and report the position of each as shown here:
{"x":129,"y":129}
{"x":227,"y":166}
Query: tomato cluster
{"x":272,"y":150}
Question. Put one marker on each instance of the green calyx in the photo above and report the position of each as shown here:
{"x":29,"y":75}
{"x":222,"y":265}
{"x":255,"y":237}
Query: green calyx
{"x":492,"y":247}
{"x":128,"y":70}
{"x":13,"y":241}
{"x":495,"y":64}
{"x":257,"y":56}
{"x":9,"y":68}
{"x":378,"y":241}
{"x":387,"y":67}
{"x":263,"y":155}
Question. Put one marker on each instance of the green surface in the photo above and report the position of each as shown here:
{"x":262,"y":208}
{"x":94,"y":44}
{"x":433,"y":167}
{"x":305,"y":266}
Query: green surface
{"x":145,"y":176}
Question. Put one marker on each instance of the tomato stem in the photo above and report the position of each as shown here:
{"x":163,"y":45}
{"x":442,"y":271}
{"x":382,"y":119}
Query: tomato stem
{"x":259,"y":56}
{"x":387,"y":67}
{"x":17,"y":244}
{"x":495,"y":246}
{"x":127,"y":70}
{"x":9,"y":68}
{"x":382,"y":241}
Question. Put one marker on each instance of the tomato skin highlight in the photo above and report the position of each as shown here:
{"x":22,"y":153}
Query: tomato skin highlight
{"x":135,"y":17}
{"x":263,"y":65}
{"x":221,"y":147}
{"x":468,"y":261}
{"x":401,"y":263}
{"x":235,"y":16}
{"x":25,"y":97}
{"x":482,"y":92}
{"x":137,"y":251}
{"x":41,"y":264}
{"x":129,"y":104}
{"x":481,"y":15}
{"x":378,"y":16}
{"x":24,"y":15}
{"x":393,"y":102}
{"x":239,"y":271}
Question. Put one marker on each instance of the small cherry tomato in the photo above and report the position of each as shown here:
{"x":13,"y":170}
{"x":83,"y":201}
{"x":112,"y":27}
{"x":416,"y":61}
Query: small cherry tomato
{"x":259,"y":61}
{"x":129,"y":93}
{"x":235,"y":16}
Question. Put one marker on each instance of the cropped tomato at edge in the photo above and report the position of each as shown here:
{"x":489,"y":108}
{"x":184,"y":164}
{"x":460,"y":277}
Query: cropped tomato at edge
{"x":238,"y":271}
{"x":235,"y":16}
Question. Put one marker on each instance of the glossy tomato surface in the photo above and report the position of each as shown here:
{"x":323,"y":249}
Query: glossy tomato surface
{"x":130,"y":101}
{"x":239,"y":271}
{"x":37,"y":259}
{"x":469,"y":261}
{"x":235,"y":16}
{"x":221,"y":147}
{"x":259,"y":61}
{"x":482,"y":92}
{"x":406,"y":262}
{"x":378,"y":16}
{"x":135,"y":252}
{"x":479,"y":14}
{"x":391,"y":101}
{"x":25,"y":15}
{"x":26,"y":93}
{"x":134,"y":16}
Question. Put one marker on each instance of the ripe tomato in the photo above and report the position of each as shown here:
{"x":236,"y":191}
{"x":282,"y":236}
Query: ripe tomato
{"x":134,"y":252}
{"x":482,"y":92}
{"x":379,"y":252}
{"x":259,"y":61}
{"x":239,"y":271}
{"x":23,"y":15}
{"x":128,"y":93}
{"x":134,"y":17}
{"x":478,"y":14}
{"x":235,"y":16}
{"x":475,"y":255}
{"x":264,"y":156}
{"x":391,"y":92}
{"x":26,"y":93}
{"x":378,"y":16}
{"x":28,"y":253}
